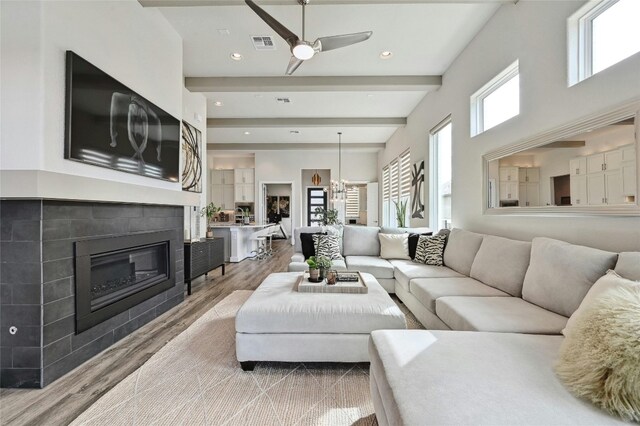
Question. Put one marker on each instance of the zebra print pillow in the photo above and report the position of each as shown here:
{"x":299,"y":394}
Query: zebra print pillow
{"x":327,"y":246}
{"x":430,"y":250}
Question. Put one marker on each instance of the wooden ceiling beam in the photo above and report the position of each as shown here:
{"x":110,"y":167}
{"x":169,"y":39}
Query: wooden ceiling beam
{"x":290,"y":146}
{"x":217,"y":123}
{"x":201,"y":3}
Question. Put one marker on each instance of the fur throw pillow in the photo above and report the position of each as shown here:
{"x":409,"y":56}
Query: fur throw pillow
{"x":600,"y":358}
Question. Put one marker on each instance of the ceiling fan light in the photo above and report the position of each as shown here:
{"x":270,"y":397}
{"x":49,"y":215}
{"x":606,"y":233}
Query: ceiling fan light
{"x":303,"y":51}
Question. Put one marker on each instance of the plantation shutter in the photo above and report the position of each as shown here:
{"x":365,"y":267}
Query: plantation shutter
{"x":395,"y":184}
{"x":405,"y":174}
{"x":353,"y":202}
{"x":386,"y":195}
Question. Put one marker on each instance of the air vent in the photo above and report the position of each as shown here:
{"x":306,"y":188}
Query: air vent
{"x":283,"y":100}
{"x":263,"y":43}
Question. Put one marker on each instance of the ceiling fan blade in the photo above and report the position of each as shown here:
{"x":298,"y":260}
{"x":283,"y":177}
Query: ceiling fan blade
{"x":335,"y":42}
{"x":282,"y":31}
{"x":294,"y":63}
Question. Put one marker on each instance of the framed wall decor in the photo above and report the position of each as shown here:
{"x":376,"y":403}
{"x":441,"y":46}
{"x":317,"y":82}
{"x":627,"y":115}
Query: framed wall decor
{"x":417,"y":182}
{"x":191,"y":160}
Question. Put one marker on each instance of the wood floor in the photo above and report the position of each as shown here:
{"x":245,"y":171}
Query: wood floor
{"x":62,"y":401}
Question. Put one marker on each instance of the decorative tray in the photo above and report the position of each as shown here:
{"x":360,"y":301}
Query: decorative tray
{"x":303,"y":285}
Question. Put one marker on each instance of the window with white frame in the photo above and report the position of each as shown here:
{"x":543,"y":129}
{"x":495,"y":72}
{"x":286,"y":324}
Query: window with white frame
{"x":396,"y":189}
{"x":600,"y":34}
{"x":353,"y":202}
{"x":440,"y":170}
{"x":497,"y":101}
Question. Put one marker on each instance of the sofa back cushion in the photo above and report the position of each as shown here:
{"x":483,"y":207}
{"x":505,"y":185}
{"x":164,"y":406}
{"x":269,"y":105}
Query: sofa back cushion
{"x":461,"y":250}
{"x":390,"y":230}
{"x":628,"y":265}
{"x":394,"y":246}
{"x":361,"y":241}
{"x":502,"y":263}
{"x":297,"y":245}
{"x":560,"y":274}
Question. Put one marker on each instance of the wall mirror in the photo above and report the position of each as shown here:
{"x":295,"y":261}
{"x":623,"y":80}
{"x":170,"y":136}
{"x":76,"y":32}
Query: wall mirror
{"x":586,"y":167}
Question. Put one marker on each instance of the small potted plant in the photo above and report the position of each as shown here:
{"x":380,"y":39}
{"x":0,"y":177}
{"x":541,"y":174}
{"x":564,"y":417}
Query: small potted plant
{"x":324,"y":264}
{"x":209,"y":211}
{"x":313,"y":269}
{"x":401,"y":213}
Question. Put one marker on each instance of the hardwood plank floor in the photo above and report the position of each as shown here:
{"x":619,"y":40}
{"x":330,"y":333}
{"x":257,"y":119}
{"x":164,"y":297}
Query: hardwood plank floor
{"x":63,"y":400}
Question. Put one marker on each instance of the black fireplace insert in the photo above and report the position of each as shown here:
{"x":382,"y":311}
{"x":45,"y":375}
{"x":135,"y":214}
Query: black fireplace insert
{"x":116,"y":273}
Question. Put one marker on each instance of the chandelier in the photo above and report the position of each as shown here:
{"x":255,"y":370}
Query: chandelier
{"x":339,"y":187}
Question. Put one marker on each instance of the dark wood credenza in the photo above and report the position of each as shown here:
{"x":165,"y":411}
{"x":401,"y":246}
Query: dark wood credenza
{"x":200,"y":257}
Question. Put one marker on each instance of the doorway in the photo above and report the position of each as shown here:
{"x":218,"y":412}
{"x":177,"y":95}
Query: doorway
{"x":316,"y":197}
{"x":277,"y":202}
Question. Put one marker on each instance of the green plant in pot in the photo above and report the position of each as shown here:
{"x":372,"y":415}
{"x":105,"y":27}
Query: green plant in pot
{"x":209,"y":211}
{"x":401,"y":213}
{"x":314,"y":271}
{"x":324,"y":264}
{"x":328,"y":216}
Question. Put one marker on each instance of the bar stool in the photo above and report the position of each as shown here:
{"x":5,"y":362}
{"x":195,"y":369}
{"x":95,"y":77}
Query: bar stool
{"x":271,"y":232}
{"x":261,"y":243}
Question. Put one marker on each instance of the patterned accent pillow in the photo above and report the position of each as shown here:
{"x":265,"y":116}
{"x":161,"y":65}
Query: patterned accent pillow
{"x":327,"y":246}
{"x":430,"y":250}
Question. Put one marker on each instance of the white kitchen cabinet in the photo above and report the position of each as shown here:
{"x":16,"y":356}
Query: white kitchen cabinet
{"x":529,"y":174}
{"x":509,"y":174}
{"x":578,"y":166}
{"x":605,"y":188}
{"x":628,"y":153}
{"x":245,"y":193}
{"x":221,"y":177}
{"x":611,"y":160}
{"x":578,"y":189}
{"x":222,"y":196}
{"x":509,"y":190}
{"x":244,"y":176}
{"x":528,"y":194}
{"x":629,"y":181}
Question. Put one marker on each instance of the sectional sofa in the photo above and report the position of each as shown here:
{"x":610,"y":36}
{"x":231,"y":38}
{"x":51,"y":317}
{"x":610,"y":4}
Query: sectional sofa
{"x":494,"y":316}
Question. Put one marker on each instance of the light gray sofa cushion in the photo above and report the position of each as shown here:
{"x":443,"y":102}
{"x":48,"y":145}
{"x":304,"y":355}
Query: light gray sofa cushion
{"x":406,"y":270}
{"x":361,"y":241}
{"x":461,"y":249}
{"x":297,"y":245}
{"x":502,"y":263}
{"x":560,"y":274}
{"x":500,"y":314}
{"x":628,"y":265}
{"x":428,"y":290}
{"x":379,"y":268}
{"x":468,"y":378}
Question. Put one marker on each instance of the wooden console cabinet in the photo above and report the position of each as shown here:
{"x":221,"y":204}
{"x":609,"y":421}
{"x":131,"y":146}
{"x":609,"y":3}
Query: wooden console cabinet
{"x":200,"y":257}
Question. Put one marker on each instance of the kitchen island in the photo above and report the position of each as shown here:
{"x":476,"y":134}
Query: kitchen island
{"x":237,"y":239}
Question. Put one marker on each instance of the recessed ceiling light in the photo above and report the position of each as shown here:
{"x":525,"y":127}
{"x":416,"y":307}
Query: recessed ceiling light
{"x":236,"y":56}
{"x":223,"y":31}
{"x":247,"y":133}
{"x":386,"y":54}
{"x":369,"y":96}
{"x":218,"y":103}
{"x":258,"y":95}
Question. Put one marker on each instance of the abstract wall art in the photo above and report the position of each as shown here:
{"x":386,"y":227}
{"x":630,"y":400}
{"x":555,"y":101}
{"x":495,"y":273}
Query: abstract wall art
{"x":417,"y":182}
{"x":191,"y":160}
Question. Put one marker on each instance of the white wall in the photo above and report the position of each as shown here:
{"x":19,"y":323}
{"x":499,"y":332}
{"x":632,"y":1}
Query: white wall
{"x":230,"y":162}
{"x":136,"y":46}
{"x":194,"y":112}
{"x":534,"y":33}
{"x":275,"y":166}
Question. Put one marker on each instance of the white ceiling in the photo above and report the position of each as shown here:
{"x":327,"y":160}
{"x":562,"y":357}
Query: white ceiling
{"x":424,"y":39}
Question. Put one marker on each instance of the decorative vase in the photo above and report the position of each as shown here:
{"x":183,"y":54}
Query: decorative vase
{"x":332,"y":277}
{"x":313,"y":274}
{"x":210,"y":234}
{"x":323,"y":273}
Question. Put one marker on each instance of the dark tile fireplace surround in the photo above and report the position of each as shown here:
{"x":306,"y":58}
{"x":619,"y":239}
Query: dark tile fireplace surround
{"x":38,"y":281}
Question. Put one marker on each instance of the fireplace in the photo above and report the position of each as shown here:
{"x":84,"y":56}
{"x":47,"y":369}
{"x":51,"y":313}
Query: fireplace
{"x":113,"y":274}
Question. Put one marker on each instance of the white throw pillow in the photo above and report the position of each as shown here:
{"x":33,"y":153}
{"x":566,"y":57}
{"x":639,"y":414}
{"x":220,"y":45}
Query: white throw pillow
{"x":609,"y":281}
{"x":394,"y":246}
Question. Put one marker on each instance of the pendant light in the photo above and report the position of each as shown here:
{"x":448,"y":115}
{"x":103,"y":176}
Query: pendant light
{"x":316,"y":179}
{"x":339,"y":187}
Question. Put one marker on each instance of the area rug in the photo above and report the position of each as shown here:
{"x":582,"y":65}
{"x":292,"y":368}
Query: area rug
{"x":196,"y":380}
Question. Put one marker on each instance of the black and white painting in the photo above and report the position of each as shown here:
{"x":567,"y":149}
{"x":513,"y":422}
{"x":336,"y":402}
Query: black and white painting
{"x":191,"y":160}
{"x":110,"y":125}
{"x":417,"y":182}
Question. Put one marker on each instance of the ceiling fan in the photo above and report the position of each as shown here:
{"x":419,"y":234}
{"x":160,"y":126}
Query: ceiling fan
{"x":301,"y":49}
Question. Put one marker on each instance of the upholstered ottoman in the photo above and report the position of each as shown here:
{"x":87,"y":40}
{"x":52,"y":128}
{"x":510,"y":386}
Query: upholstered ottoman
{"x":277,"y":323}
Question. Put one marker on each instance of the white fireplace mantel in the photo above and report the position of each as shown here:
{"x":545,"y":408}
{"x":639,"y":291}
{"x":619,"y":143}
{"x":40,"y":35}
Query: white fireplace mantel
{"x":40,"y":184}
